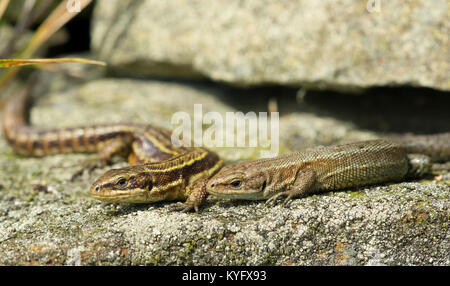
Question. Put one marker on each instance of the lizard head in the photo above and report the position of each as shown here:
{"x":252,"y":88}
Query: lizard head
{"x":131,"y":184}
{"x":238,"y":181}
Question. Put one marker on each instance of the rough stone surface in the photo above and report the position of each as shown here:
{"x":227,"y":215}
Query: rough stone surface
{"x":47,"y":219}
{"x":319,"y":44}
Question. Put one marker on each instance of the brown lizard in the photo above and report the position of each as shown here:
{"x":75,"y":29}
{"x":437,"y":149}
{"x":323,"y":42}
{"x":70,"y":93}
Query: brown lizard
{"x":162,"y":170}
{"x":176,"y":173}
{"x":328,"y":168}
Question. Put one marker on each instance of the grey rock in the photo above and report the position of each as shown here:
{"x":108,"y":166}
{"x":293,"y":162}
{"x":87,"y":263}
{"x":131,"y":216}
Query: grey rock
{"x":318,"y":44}
{"x":394,"y":224}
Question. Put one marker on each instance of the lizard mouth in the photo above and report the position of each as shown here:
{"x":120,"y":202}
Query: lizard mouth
{"x":111,"y":199}
{"x":227,"y":191}
{"x":109,"y":196}
{"x":121,"y":196}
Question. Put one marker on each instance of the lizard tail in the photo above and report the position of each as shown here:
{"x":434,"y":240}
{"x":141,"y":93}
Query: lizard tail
{"x":15,"y":114}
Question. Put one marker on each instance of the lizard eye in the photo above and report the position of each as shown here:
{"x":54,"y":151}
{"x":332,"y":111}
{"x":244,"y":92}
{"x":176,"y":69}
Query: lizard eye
{"x":236,"y":183}
{"x":122,"y":182}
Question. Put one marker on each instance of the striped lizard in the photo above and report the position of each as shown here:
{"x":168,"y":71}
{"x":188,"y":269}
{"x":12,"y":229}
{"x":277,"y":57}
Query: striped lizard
{"x":326,"y":168}
{"x":160,"y":170}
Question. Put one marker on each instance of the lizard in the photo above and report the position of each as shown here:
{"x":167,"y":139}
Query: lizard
{"x":178,"y":172}
{"x":162,"y":171}
{"x":351,"y":165}
{"x":329,"y":168}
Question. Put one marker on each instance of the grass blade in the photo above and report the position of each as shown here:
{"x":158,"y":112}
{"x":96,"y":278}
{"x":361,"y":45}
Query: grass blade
{"x":58,"y":18}
{"x":7,"y":63}
{"x":3,"y":6}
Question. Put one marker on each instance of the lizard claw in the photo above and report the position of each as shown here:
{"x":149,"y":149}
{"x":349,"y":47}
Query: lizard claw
{"x":183,"y":207}
{"x":287,"y":200}
{"x":195,"y":199}
{"x":271,"y":200}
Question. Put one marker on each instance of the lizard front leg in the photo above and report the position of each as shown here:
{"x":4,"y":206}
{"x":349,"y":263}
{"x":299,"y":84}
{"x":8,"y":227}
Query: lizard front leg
{"x":302,"y":185}
{"x":196,"y":196}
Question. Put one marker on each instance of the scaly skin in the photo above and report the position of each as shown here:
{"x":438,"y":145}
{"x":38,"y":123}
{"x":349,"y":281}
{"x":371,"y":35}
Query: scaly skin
{"x":182,"y":177}
{"x":178,"y":173}
{"x":170,"y":172}
{"x":322,"y":169}
{"x":141,"y":143}
{"x":436,"y":146}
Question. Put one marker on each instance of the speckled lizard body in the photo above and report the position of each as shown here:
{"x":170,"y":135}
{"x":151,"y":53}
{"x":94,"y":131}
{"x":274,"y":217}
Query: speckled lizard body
{"x":327,"y":168}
